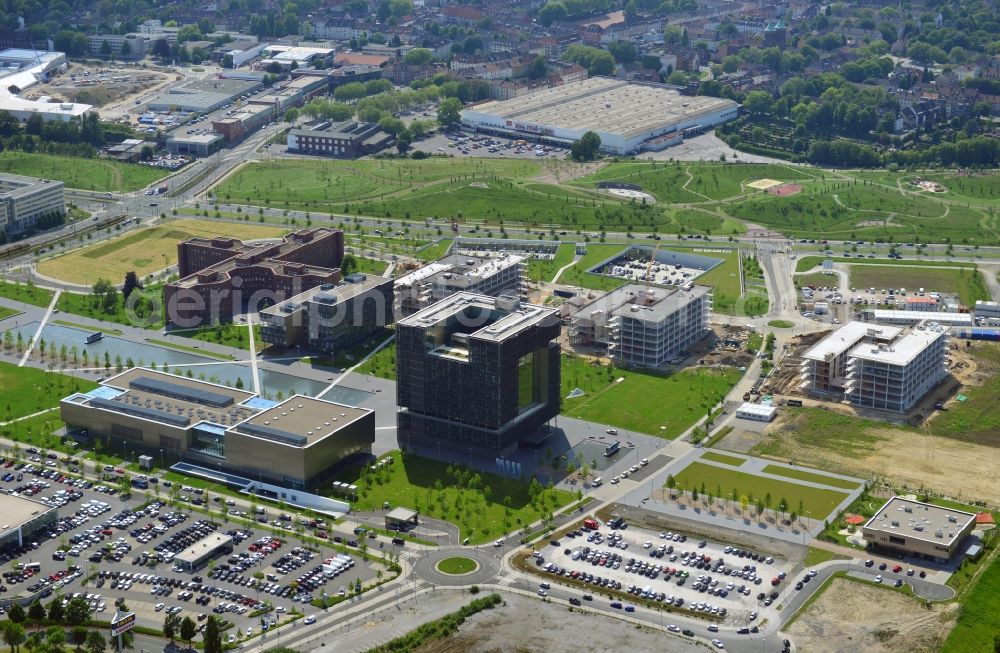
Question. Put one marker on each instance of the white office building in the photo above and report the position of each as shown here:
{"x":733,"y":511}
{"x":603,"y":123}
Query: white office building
{"x":895,"y":376}
{"x":504,"y":275}
{"x":643,"y":327}
{"x":26,"y":200}
{"x":824,"y":365}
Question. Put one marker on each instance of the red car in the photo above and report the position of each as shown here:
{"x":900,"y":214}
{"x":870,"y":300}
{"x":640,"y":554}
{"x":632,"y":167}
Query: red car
{"x":897,"y":569}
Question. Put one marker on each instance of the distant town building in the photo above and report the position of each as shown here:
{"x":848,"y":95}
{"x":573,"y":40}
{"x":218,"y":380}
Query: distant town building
{"x":348,"y":139}
{"x":477,"y":373}
{"x":121,"y":46}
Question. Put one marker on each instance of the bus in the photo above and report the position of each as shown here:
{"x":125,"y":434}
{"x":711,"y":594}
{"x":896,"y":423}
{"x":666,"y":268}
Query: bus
{"x":612,"y":448}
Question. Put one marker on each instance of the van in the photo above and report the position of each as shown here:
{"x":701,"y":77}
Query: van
{"x":311,"y":619}
{"x":597,"y":481}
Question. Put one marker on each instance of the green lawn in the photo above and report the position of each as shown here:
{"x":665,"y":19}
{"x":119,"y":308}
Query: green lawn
{"x":371,"y":266}
{"x":812,"y":477}
{"x":191,"y":350}
{"x":576,"y":275}
{"x":816,"y":279}
{"x":76,"y":172}
{"x":978,"y":418}
{"x":496,"y":505}
{"x":382,"y":364}
{"x":816,"y":556}
{"x":226,"y":335}
{"x":87,"y":306}
{"x":716,"y":457}
{"x":817,"y":502}
{"x":27,"y":293}
{"x":27,"y":390}
{"x":545,"y":269}
{"x":7,"y":312}
{"x":661,"y":405}
{"x":781,"y":324}
{"x":976,"y":629}
{"x":807,"y":263}
{"x":724,"y":280}
{"x":815,"y":427}
{"x":435,"y":250}
{"x":968,"y":284}
{"x":457,"y":565}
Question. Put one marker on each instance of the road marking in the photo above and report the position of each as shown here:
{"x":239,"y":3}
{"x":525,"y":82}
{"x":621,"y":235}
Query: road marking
{"x":41,"y":325}
{"x":253,"y":356}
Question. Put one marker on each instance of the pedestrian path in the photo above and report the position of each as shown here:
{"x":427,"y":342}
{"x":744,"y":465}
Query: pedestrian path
{"x":41,"y":325}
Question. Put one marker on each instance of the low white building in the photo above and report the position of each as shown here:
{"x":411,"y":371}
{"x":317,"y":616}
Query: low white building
{"x":888,"y":316}
{"x":20,"y":70}
{"x":756,"y":412}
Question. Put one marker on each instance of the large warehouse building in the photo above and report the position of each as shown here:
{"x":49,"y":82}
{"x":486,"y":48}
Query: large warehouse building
{"x":297,"y":443}
{"x":629,"y":117}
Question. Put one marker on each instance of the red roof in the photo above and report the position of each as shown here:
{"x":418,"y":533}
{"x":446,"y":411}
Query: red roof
{"x":984,"y":518}
{"x":854,"y":520}
{"x":460,"y":11}
{"x":357,"y":59}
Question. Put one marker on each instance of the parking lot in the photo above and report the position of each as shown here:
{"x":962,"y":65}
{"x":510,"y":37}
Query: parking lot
{"x":107,"y":548}
{"x":721,"y":582}
{"x":468,"y":144}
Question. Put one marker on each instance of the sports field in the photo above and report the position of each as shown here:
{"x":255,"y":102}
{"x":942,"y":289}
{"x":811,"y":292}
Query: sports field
{"x":76,"y":172}
{"x":144,"y":251}
{"x":968,"y":284}
{"x":816,"y":502}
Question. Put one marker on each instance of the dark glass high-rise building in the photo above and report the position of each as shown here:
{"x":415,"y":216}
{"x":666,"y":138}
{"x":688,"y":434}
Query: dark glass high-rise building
{"x":476,"y":372}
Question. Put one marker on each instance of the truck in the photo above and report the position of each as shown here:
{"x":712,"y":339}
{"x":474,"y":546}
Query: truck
{"x":160,"y":190}
{"x":590,"y":524}
{"x":612,"y":448}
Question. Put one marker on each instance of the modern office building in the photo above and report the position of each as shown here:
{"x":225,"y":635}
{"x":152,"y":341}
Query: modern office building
{"x":22,"y":518}
{"x":222,"y":276}
{"x":119,"y":46}
{"x":349,"y":139}
{"x":476,"y":373}
{"x":24,"y":201}
{"x":643,"y":327}
{"x":628,"y":116}
{"x":895,"y":376}
{"x":504,"y":275}
{"x":330,"y":317}
{"x":295,"y":443}
{"x":824,"y":365}
{"x":911,"y":528}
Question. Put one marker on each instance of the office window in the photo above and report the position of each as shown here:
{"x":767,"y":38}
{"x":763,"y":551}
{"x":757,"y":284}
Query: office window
{"x":527,"y":383}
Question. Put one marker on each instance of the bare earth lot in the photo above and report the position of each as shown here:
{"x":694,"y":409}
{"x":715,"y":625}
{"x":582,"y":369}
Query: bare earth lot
{"x":852,"y":616}
{"x":525,"y":624}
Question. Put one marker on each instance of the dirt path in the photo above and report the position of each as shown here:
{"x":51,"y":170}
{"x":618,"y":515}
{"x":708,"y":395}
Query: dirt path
{"x":852,"y":616}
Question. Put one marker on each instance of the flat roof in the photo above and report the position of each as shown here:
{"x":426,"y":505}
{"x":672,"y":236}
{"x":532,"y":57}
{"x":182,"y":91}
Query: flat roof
{"x":654,"y":304}
{"x":606,"y":105}
{"x":171,"y":399}
{"x":903,"y":350}
{"x":847,"y":336}
{"x":763,"y":410}
{"x":205,"y":546}
{"x":469,"y":270}
{"x":401,"y":514}
{"x":327,"y":293}
{"x":18,"y":510}
{"x":506,"y":316}
{"x":920,"y":521}
{"x":422,"y":273}
{"x":918,"y":316}
{"x":300,"y":421}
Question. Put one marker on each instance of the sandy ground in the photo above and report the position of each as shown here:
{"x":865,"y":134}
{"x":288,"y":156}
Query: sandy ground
{"x":526,"y":624}
{"x":851,"y":616}
{"x":106,"y":86}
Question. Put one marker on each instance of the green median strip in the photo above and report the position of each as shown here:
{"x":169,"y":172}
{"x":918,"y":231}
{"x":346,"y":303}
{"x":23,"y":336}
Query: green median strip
{"x":716,"y":457}
{"x":85,"y":327}
{"x":803,"y":475}
{"x":193,"y":350}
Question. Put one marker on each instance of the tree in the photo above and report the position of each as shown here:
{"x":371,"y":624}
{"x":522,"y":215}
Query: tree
{"x":418,"y":57}
{"x":16,"y":613}
{"x":349,"y":265}
{"x":586,"y":148}
{"x":36,"y":612}
{"x":671,"y":483}
{"x":213,"y":636}
{"x":171,"y":624}
{"x":56,"y":611}
{"x":131,"y":283}
{"x":96,"y":642}
{"x":603,"y":63}
{"x":188,"y":630}
{"x":161,"y":49}
{"x":538,"y":68}
{"x":77,"y":612}
{"x":13,"y":635}
{"x":757,"y":102}
{"x":55,"y":638}
{"x":450,"y":111}
{"x":624,"y":52}
{"x":105,"y":48}
{"x":125,"y":50}
{"x":78,"y":636}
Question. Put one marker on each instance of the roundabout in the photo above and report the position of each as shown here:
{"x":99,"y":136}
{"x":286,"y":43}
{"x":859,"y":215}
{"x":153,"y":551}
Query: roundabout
{"x":457,"y":566}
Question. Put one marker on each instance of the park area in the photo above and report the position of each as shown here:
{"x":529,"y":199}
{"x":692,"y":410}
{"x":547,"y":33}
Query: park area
{"x":661,"y":405}
{"x":144,"y":251}
{"x":967,"y":283}
{"x":814,"y":502}
{"x":27,"y":390}
{"x":77,"y":172}
{"x":484,"y":506}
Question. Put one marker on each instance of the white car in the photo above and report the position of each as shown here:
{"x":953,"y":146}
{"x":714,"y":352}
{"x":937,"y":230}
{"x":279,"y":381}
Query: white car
{"x":878,"y":579}
{"x":718,"y":643}
{"x":542,"y":592}
{"x":232,"y":639}
{"x":674,"y":629}
{"x":249,"y":631}
{"x":159,"y":606}
{"x":311,"y":619}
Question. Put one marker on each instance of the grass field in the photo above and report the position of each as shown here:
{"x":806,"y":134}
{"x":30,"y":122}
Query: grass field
{"x":725,"y":459}
{"x":545,"y":269}
{"x":227,"y":335}
{"x":781,"y":324}
{"x":817,"y":279}
{"x":966,"y":283}
{"x":677,"y":182}
{"x":807,"y":263}
{"x":382,"y":364}
{"x":27,"y":293}
{"x":978,"y":418}
{"x":457,"y":565}
{"x":190,"y":349}
{"x":493,"y":506}
{"x":435,"y":250}
{"x":370,"y":265}
{"x":976,"y":628}
{"x":27,"y":390}
{"x":664,"y":406}
{"x":7,"y":312}
{"x":87,"y":327}
{"x":817,"y":502}
{"x":75,"y":172}
{"x":144,"y":251}
{"x":812,"y":477}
